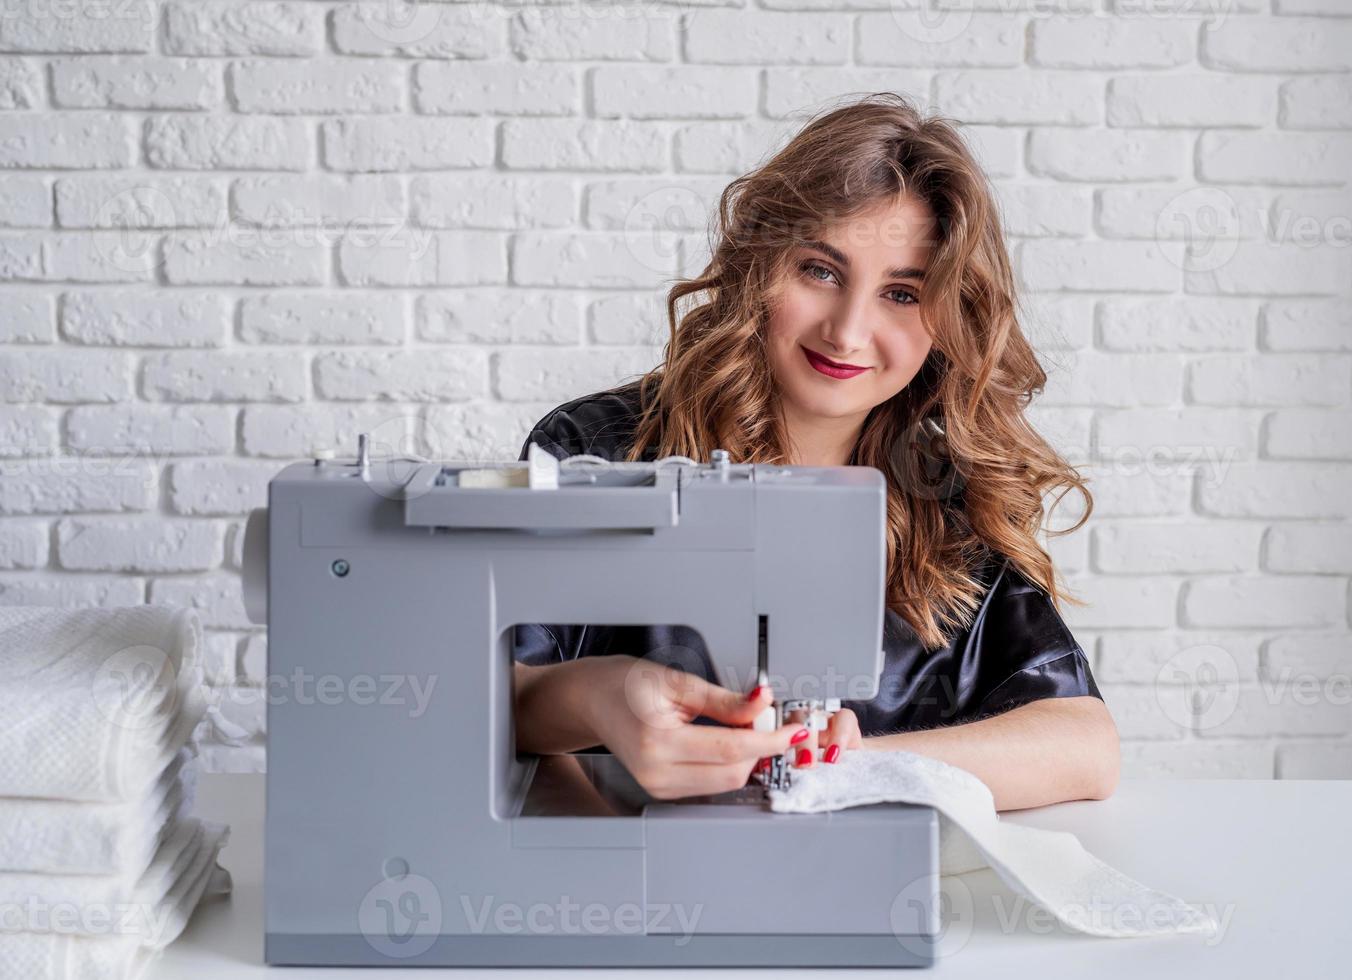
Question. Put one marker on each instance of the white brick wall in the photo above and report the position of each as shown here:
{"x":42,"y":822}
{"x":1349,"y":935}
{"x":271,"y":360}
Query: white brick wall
{"x":231,"y":231}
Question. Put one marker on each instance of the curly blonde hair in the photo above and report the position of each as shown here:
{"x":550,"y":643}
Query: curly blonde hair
{"x":966,"y":472}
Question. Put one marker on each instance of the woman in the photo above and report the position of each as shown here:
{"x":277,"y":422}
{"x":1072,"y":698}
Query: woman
{"x":858,"y":309}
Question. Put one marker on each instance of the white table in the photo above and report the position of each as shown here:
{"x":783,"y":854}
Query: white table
{"x":1271,"y":858}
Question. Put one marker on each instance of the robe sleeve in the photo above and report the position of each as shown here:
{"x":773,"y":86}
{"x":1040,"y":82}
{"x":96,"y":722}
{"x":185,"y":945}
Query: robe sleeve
{"x":1038,"y":656}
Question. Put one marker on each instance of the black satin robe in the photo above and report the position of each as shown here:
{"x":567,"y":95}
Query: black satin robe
{"x":1017,"y":649}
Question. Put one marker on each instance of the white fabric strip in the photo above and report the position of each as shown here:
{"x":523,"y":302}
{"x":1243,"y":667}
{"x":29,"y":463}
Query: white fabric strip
{"x":1048,"y":867}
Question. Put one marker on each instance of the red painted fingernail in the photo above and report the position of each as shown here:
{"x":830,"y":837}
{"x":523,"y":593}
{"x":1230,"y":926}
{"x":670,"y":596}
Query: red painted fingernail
{"x":798,"y":736}
{"x":832,"y":753}
{"x":804,"y":757}
{"x":755,"y":692}
{"x":763,"y":765}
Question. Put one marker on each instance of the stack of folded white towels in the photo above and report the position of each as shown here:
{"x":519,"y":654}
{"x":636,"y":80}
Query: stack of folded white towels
{"x":101,"y":863}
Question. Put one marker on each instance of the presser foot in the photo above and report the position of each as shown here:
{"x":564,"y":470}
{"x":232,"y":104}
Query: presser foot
{"x":814,"y":713}
{"x":774,"y":773}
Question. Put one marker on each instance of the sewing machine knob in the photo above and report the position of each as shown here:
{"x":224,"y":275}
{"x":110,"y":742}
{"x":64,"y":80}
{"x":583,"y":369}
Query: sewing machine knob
{"x":322,"y":456}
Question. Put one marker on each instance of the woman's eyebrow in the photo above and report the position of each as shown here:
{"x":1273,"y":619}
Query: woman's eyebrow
{"x":909,"y":272}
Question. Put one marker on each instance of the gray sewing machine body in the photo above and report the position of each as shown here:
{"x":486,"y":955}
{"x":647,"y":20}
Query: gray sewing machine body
{"x":402,"y":828}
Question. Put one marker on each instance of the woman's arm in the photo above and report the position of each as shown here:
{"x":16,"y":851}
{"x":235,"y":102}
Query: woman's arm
{"x":645,"y":713}
{"x":1042,"y":752}
{"x":551,"y":716}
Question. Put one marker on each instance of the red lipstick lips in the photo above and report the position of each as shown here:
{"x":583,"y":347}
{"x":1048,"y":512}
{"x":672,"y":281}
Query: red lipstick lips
{"x":830,"y":368}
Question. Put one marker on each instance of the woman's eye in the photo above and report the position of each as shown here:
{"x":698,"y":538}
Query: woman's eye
{"x":811,"y":267}
{"x":911,"y":297}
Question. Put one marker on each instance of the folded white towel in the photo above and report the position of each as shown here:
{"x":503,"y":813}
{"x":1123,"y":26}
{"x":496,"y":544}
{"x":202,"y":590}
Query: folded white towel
{"x":68,"y":837}
{"x":1050,"y":868}
{"x":120,"y":948}
{"x":44,"y":895}
{"x":94,"y":703}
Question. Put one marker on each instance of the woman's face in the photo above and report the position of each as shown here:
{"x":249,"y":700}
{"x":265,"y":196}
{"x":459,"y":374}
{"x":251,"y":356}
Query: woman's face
{"x":852,"y":297}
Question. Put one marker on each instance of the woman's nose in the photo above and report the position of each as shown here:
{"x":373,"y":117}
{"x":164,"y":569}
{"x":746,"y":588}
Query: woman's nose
{"x":848,"y":330}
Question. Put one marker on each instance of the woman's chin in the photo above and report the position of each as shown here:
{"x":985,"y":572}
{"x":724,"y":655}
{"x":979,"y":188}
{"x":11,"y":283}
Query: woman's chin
{"x":827,"y":403}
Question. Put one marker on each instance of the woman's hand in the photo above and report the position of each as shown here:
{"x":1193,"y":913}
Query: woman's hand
{"x":841,"y":734}
{"x":644,"y":712}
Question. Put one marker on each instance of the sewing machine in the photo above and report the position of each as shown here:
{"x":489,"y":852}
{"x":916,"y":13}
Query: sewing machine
{"x":402,"y":826}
